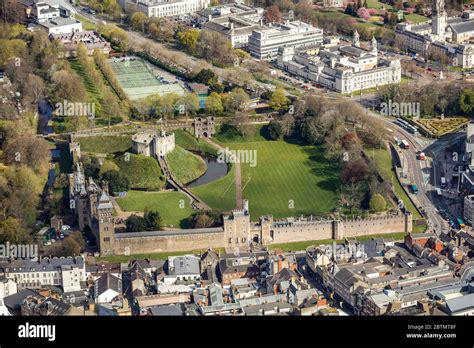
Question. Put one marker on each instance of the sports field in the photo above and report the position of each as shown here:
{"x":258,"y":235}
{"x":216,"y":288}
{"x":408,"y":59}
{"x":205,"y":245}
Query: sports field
{"x":137,"y":79}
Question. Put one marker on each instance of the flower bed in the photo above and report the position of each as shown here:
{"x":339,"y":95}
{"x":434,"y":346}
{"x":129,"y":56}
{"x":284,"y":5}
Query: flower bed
{"x":438,"y":127}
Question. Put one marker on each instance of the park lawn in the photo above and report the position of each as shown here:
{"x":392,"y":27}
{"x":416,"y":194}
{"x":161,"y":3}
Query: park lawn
{"x":297,"y":246}
{"x":172,"y":205}
{"x":142,"y":172}
{"x":105,"y":144}
{"x":185,"y":165}
{"x":219,"y":194}
{"x":187,"y":141}
{"x":288,"y":179}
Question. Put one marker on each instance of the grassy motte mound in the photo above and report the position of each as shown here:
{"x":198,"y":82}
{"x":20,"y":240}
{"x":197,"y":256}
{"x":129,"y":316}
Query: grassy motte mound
{"x":185,"y":165}
{"x":143,"y":172}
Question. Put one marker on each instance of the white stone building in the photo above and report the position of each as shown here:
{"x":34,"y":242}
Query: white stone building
{"x":265,"y":42}
{"x":450,"y":37}
{"x":345,"y":69}
{"x":235,"y":22}
{"x":167,"y":8}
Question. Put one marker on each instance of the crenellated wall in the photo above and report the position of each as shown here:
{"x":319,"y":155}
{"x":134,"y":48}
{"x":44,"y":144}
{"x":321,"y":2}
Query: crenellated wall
{"x":166,"y":242}
{"x":269,"y":233}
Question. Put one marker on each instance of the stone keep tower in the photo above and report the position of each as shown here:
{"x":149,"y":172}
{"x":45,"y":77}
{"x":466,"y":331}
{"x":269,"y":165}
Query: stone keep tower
{"x":237,"y":228}
{"x":439,"y":19}
{"x":105,"y":225}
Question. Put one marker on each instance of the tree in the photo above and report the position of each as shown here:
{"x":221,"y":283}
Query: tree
{"x":206,"y":76}
{"x":108,"y":165}
{"x":13,"y":231}
{"x":33,"y":89}
{"x":68,"y":86}
{"x":21,"y":147}
{"x":214,"y":104}
{"x":466,"y":101}
{"x":237,"y":100}
{"x":377,"y":203}
{"x":116,"y":180}
{"x":189,"y":39}
{"x":275,"y":130}
{"x":272,"y":15}
{"x":135,"y":223}
{"x":354,"y":171}
{"x":189,"y":103}
{"x":138,"y":21}
{"x":24,"y":188}
{"x":351,"y":196}
{"x":278,"y":100}
{"x":153,"y":220}
{"x":91,"y":166}
{"x":204,"y":219}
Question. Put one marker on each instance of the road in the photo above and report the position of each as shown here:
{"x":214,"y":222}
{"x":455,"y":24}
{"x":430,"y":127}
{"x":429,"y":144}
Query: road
{"x":419,"y":172}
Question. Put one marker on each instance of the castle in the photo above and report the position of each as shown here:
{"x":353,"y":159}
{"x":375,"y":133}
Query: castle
{"x":93,"y":209}
{"x":153,"y":144}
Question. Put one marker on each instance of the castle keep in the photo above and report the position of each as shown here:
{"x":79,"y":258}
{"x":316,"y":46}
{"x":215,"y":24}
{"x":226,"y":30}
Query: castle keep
{"x":93,"y":209}
{"x":152,"y":143}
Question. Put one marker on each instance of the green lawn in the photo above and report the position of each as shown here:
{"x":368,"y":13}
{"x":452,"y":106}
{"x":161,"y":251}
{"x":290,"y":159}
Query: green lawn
{"x":219,"y":194}
{"x":187,"y":141}
{"x":288,"y":179}
{"x":142,"y":172}
{"x":185,"y":165}
{"x":172,"y":205}
{"x":106,"y":144}
{"x":297,"y":246}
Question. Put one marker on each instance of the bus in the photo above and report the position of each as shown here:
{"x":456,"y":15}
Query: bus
{"x":414,"y":188}
{"x":443,"y":182}
{"x":438,"y":191}
{"x":461,"y":223}
{"x":405,"y":144}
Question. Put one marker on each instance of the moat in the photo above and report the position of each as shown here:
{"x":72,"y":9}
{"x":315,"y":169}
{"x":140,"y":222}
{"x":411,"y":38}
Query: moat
{"x":215,"y":170}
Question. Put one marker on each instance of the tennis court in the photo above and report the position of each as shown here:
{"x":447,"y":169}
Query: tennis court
{"x":137,"y":80}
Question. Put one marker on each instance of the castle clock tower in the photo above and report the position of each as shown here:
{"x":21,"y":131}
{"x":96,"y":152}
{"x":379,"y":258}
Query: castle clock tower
{"x":105,"y":225}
